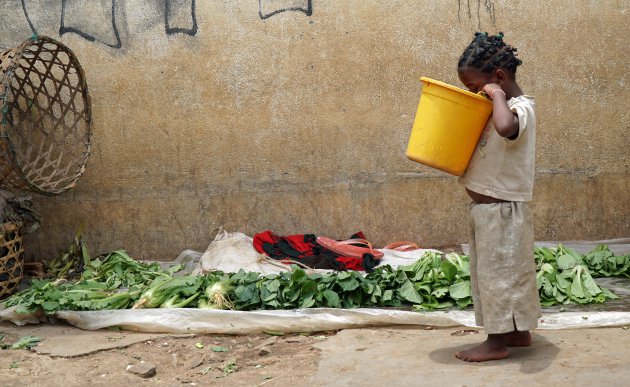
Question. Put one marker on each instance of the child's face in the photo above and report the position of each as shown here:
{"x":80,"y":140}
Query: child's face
{"x":474,"y":80}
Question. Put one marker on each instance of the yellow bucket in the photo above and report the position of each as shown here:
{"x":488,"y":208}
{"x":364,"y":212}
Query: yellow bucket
{"x":447,"y":126}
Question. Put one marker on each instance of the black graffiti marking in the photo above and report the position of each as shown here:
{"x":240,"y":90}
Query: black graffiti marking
{"x":28,"y":19}
{"x":64,"y":29}
{"x":176,"y":8}
{"x":308,"y":9}
{"x":488,"y":5}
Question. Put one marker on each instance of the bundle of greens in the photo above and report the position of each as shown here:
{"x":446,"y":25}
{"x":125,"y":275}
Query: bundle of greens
{"x":111,"y":281}
{"x":563,"y":277}
{"x":603,"y":263}
{"x":430,"y":283}
{"x":435,"y":281}
{"x":170,"y":292}
{"x":71,"y":262}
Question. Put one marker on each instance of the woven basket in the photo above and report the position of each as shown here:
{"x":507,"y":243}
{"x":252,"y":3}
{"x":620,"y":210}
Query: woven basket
{"x":46,"y":124}
{"x":11,"y":259}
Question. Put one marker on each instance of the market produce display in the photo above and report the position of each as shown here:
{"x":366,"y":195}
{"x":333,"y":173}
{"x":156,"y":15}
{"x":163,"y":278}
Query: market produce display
{"x":566,"y":277}
{"x":435,"y":281}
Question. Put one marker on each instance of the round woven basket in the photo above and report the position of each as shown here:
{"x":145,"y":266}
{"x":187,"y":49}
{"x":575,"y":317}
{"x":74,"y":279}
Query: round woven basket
{"x":11,"y":259}
{"x":45,"y":125}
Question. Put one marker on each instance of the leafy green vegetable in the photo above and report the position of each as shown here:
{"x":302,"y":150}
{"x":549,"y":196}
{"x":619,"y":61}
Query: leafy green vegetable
{"x":26,"y":342}
{"x":563,"y":277}
{"x":165,"y":287}
{"x":435,"y":281}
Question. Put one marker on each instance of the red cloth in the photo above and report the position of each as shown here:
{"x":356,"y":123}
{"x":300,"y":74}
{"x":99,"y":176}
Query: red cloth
{"x":304,"y":248}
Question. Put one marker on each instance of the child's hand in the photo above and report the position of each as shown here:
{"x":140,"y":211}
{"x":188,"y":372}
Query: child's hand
{"x":493,"y":89}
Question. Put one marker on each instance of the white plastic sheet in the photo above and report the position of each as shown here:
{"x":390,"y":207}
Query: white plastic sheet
{"x":300,"y":320}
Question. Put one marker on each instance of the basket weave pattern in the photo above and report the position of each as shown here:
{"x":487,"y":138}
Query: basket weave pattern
{"x":11,"y":259}
{"x":45,"y":125}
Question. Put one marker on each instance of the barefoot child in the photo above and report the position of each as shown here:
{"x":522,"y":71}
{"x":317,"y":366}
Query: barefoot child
{"x":499,"y":180}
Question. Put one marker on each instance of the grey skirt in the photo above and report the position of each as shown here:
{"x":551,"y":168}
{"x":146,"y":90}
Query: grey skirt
{"x":502,"y":267}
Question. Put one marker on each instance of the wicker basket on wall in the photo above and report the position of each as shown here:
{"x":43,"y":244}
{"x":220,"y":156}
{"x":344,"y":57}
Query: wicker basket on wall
{"x":11,"y":258}
{"x":45,"y":125}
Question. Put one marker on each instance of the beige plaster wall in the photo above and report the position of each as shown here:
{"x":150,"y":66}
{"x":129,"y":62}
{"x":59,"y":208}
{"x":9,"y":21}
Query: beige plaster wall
{"x":297,"y":121}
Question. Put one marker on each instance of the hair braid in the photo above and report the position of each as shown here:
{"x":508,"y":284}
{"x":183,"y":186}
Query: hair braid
{"x":486,"y":53}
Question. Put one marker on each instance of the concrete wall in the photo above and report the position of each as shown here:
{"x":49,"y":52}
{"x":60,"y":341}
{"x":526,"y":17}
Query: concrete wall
{"x":294,"y":115}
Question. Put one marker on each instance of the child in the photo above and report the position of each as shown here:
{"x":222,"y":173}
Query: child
{"x":499,"y":180}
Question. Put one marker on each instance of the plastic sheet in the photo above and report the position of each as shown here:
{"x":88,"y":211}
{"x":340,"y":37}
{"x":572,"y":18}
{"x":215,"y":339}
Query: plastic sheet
{"x":300,"y":320}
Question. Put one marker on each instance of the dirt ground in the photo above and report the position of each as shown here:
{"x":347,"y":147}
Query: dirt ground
{"x":191,"y":360}
{"x":394,"y":356}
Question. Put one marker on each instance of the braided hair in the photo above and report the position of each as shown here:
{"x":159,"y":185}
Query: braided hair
{"x":486,"y":53}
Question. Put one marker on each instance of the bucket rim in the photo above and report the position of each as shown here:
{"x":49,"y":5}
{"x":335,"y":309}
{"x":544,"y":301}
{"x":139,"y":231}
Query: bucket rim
{"x":455,"y":88}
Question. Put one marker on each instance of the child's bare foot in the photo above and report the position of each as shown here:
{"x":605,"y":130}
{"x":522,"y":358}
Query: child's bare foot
{"x":493,"y":348}
{"x":518,"y":339}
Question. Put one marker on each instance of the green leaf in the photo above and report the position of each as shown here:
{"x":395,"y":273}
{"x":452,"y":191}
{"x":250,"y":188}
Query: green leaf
{"x":307,"y":302}
{"x":332,"y":298}
{"x":463,"y":302}
{"x":408,"y":293}
{"x":589,"y":284}
{"x":460,"y":290}
{"x":273,"y":286}
{"x":244,"y":293}
{"x":449,"y":270}
{"x":388,"y":295}
{"x":217,"y":348}
{"x":440,"y":292}
{"x":608,"y":294}
{"x":349,"y":284}
{"x":26,"y":342}
{"x":562,"y":282}
{"x":576,"y":287}
{"x":298,"y":275}
{"x":566,"y":262}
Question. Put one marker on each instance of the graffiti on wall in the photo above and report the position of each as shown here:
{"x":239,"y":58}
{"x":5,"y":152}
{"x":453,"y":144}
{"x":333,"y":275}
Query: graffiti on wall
{"x":179,"y":17}
{"x":100,"y":21}
{"x":99,"y":26}
{"x":103,"y":21}
{"x":475,"y":10}
{"x":268,"y":8}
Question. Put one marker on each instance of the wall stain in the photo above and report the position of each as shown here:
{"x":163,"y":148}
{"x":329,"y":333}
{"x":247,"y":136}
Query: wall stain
{"x":473,"y":11}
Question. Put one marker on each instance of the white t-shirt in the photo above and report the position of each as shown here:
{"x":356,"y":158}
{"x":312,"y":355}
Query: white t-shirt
{"x":502,"y":168}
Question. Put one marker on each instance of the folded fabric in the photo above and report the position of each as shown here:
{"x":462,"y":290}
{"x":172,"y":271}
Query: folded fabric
{"x":304,"y":248}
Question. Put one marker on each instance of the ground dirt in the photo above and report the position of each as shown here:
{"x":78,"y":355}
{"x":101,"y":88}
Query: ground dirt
{"x":370,"y":356}
{"x":194,"y":360}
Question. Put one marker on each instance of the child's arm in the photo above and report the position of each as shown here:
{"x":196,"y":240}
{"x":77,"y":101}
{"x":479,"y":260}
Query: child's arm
{"x":505,"y":120}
